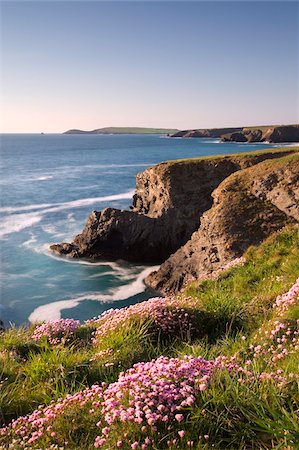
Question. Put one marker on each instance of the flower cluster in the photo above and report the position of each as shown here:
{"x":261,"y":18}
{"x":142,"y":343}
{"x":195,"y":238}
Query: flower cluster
{"x":290,"y":298}
{"x":153,"y":395}
{"x":167,"y":315}
{"x":281,"y":337}
{"x":237,"y":262}
{"x":56,"y":331}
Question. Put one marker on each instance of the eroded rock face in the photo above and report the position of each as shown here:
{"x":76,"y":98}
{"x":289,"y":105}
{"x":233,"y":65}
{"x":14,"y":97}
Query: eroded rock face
{"x":248,"y":206}
{"x":289,"y":133}
{"x":120,"y":234}
{"x":271,"y":133}
{"x":205,"y":132}
{"x":169,"y":201}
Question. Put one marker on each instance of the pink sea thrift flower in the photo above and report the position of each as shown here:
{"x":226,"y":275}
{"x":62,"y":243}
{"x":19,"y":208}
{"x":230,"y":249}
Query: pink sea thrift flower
{"x":56,"y":331}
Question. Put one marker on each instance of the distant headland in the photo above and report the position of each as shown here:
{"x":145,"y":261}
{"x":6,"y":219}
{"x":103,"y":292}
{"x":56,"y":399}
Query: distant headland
{"x":264,"y":133}
{"x":125,"y":130}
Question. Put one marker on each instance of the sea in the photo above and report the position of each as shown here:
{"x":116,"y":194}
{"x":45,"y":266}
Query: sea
{"x":49,"y":185}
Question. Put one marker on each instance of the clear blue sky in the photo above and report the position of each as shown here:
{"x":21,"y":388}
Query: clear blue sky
{"x":166,"y":64}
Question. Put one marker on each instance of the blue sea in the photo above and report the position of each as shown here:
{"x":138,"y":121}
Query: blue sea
{"x":49,"y":186}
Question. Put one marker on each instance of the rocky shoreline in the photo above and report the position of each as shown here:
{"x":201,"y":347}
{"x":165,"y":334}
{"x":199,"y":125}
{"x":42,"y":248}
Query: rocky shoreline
{"x":194,"y":216}
{"x":273,"y":134}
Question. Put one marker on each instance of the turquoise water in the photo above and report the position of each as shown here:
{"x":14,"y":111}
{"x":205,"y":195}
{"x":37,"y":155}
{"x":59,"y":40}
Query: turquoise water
{"x":49,"y":185}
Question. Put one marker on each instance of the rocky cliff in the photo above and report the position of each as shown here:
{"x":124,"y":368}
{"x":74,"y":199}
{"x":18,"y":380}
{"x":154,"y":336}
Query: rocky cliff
{"x":289,"y":133}
{"x":169,"y":201}
{"x":247,"y":207}
{"x":206,"y":132}
{"x":271,"y":133}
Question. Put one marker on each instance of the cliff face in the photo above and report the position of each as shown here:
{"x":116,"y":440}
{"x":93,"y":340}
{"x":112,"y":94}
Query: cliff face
{"x":288,"y":133}
{"x":169,"y":201}
{"x":248,"y":206}
{"x":206,"y":132}
{"x":284,"y":133}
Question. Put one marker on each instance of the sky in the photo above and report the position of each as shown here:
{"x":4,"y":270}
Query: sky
{"x":165,"y":64}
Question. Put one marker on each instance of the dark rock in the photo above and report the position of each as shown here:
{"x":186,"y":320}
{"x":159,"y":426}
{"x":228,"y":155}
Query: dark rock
{"x":288,"y":133}
{"x":236,"y":137}
{"x":206,"y":132}
{"x":248,"y":206}
{"x":169,"y":201}
{"x":2,"y":327}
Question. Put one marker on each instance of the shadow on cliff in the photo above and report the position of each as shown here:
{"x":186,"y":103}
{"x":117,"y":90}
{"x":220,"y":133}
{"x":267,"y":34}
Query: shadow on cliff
{"x":199,"y":213}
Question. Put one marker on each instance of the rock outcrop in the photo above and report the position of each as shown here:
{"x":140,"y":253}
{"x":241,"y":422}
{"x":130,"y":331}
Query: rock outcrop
{"x":271,"y":133}
{"x":248,"y":206}
{"x":206,"y":132}
{"x":289,"y":133}
{"x":169,"y":201}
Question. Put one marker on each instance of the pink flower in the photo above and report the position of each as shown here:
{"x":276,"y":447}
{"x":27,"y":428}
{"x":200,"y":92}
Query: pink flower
{"x":181,"y":433}
{"x":179,"y":417}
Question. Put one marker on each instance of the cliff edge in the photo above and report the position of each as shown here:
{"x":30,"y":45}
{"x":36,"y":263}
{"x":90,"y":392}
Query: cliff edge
{"x":248,"y":206}
{"x":270,"y":133}
{"x":170,"y":198}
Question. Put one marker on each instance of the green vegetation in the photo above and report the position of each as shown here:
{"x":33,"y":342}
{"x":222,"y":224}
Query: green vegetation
{"x":248,"y":402}
{"x":125,"y":130}
{"x":281,"y":151}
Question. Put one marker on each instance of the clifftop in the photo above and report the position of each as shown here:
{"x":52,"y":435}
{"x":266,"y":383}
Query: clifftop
{"x":168,"y":205}
{"x":248,"y":206}
{"x":269,"y":133}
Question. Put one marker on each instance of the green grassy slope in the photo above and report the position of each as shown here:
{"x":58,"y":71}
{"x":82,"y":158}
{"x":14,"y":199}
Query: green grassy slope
{"x":256,"y":407}
{"x":281,"y":151}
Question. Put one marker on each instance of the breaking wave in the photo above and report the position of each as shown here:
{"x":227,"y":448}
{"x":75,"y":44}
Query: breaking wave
{"x":52,"y":311}
{"x":13,"y":223}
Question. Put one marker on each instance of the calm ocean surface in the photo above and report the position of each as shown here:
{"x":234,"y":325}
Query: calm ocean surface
{"x":49,"y":185}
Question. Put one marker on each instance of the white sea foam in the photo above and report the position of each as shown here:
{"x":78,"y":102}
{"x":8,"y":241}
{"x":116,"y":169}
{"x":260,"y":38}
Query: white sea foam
{"x":100,"y":275}
{"x":89,"y":201}
{"x":70,"y":217}
{"x":50,"y":229}
{"x":17,"y":276}
{"x":52,"y":311}
{"x":16,"y":222}
{"x":40,"y":178}
{"x":13,"y":209}
{"x":29,"y":242}
{"x":53,"y":207}
{"x":120,"y":271}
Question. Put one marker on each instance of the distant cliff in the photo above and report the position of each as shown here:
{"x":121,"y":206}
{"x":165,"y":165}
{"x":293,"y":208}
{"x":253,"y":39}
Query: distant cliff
{"x":206,"y":132}
{"x":271,"y":133}
{"x":203,"y":212}
{"x":123,"y":130}
{"x":287,"y":133}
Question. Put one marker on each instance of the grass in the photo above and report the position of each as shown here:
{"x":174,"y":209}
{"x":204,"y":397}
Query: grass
{"x":250,"y":154}
{"x":227,"y":313}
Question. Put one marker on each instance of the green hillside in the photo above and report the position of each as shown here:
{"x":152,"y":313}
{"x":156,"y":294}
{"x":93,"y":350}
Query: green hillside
{"x":124,"y":130}
{"x":232,"y":381}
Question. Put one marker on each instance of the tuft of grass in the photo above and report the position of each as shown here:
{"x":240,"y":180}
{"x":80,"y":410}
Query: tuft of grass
{"x":227,"y":313}
{"x":241,"y":298}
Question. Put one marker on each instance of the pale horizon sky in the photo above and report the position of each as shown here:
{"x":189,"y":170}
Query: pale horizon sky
{"x":161,"y":64}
